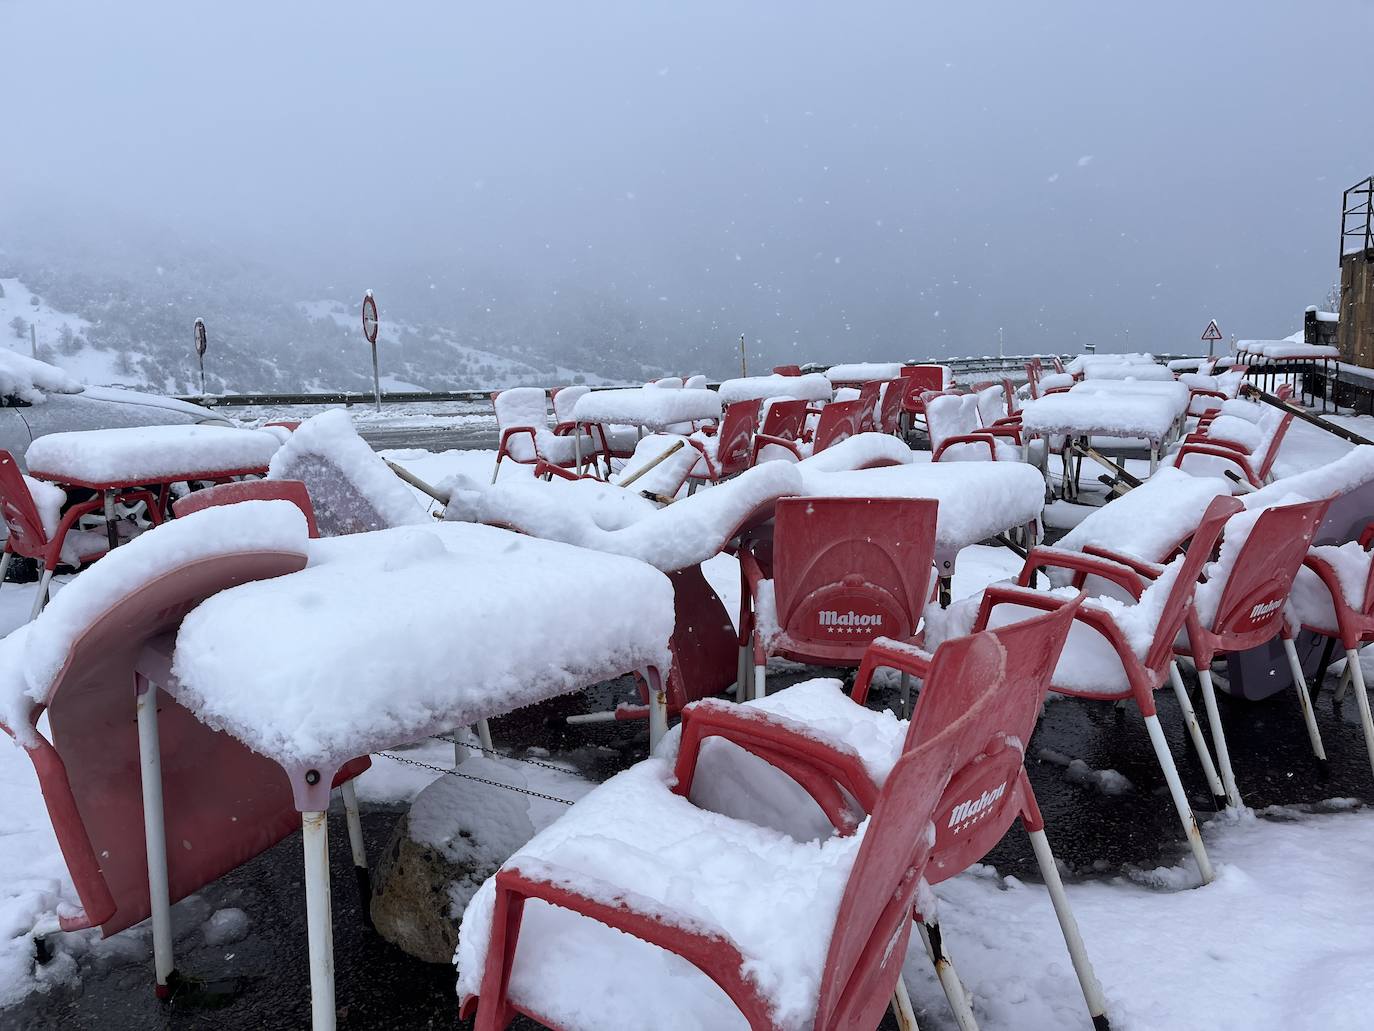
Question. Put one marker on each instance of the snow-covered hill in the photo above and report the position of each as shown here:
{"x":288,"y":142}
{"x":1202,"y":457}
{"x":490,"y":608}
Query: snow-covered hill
{"x":60,"y":337}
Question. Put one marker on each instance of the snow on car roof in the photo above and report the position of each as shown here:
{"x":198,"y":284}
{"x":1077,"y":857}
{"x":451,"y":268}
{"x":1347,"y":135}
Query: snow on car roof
{"x":29,"y":379}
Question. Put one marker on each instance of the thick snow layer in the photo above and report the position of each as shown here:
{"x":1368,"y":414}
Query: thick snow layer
{"x":651,"y":407}
{"x":1310,"y":602}
{"x":225,"y":927}
{"x":957,"y":415}
{"x":648,"y":470}
{"x":149,"y":454}
{"x":1231,"y":428}
{"x":29,"y":379}
{"x":395,"y":635}
{"x":1114,"y":415}
{"x":1148,"y":522}
{"x":1281,"y":350}
{"x":351,"y":488}
{"x":1175,"y":393}
{"x":32,"y":656}
{"x":977,"y":499}
{"x":685,"y":533}
{"x":48,"y":498}
{"x":863,"y":372}
{"x":1055,"y":380}
{"x":861,"y":451}
{"x":774,"y":897}
{"x":1081,"y":363}
{"x":527,"y":408}
{"x":811,"y":387}
{"x":1128,"y":371}
{"x":1345,"y":474}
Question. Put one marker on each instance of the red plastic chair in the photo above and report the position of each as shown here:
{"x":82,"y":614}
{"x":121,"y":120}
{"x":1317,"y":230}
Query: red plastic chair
{"x":917,"y":381}
{"x":838,"y":421}
{"x":1256,"y":468}
{"x":841,"y":572}
{"x":730,"y":449}
{"x":526,"y":437}
{"x":982,"y":800}
{"x":870,"y":394}
{"x":250,"y":490}
{"x":784,"y":422}
{"x":787,"y":370}
{"x":953,"y":421}
{"x":29,"y":539}
{"x":1331,"y":612}
{"x":1250,"y":612}
{"x":286,"y":424}
{"x":223,"y":803}
{"x":890,"y":406}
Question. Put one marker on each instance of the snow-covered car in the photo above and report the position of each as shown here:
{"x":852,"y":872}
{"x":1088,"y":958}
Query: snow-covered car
{"x":37,"y":398}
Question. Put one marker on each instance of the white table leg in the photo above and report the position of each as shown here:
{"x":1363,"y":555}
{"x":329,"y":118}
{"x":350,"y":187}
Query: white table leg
{"x":318,"y":919}
{"x":155,"y":833}
{"x":658,"y":707}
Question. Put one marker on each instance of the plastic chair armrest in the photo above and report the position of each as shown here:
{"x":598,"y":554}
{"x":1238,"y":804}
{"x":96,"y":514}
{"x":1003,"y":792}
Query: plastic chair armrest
{"x":1082,"y":565}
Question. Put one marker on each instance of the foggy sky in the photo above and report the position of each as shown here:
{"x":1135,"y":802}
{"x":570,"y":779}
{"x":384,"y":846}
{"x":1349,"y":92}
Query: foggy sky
{"x":836,"y":181}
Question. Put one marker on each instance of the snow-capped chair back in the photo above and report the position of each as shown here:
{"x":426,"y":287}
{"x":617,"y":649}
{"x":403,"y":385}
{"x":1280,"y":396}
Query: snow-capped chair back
{"x":957,"y":433}
{"x":564,"y":401}
{"x":76,"y":663}
{"x":890,"y":406}
{"x":729,"y":450}
{"x":838,"y":420}
{"x":235,"y":491}
{"x":27,"y":535}
{"x":917,"y":380}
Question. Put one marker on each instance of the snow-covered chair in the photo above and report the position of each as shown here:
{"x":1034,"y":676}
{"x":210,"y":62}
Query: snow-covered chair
{"x":235,"y":491}
{"x":695,"y":382}
{"x":564,"y":401}
{"x":75,"y":665}
{"x":838,"y":752}
{"x":787,"y":370}
{"x":958,"y":434}
{"x":38,"y":528}
{"x":1333,"y":596}
{"x":1231,"y":444}
{"x":783,"y":420}
{"x":837,"y":573}
{"x":838,"y":420}
{"x":728,"y":448}
{"x":1208,"y":391}
{"x":522,"y":419}
{"x":1117,"y":649}
{"x":773,"y":933}
{"x":349,"y":484}
{"x":890,"y":406}
{"x":917,"y":381}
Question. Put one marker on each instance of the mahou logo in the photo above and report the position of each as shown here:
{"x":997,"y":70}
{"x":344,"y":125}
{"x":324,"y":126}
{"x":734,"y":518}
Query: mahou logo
{"x":971,"y":808}
{"x":829,"y":617}
{"x":1265,"y":609}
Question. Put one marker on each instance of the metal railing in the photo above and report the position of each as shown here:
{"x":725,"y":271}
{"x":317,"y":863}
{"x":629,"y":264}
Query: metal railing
{"x":1357,"y":219}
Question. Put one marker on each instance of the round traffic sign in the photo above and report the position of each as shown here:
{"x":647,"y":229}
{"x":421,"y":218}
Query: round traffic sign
{"x":200,"y":337}
{"x":369,"y":318}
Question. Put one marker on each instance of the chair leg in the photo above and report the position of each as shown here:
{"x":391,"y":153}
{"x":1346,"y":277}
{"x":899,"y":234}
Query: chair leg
{"x":761,"y":680}
{"x":40,"y":598}
{"x":154,"y":834}
{"x":1344,"y":685}
{"x":1305,"y":702}
{"x":484,"y":737}
{"x":1185,"y":811}
{"x":4,"y":566}
{"x":359,"y":849}
{"x":1209,"y":701}
{"x":906,"y":694}
{"x":497,"y":471}
{"x":1204,"y":754}
{"x":949,"y":979}
{"x":1352,"y":665}
{"x":902,"y":1008}
{"x":319,"y":923}
{"x":1082,"y":966}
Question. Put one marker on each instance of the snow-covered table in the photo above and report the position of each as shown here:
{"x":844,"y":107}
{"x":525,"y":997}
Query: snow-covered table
{"x":978,"y":500}
{"x":1173,"y":391}
{"x":112,"y":460}
{"x":1128,"y":370}
{"x":648,"y":408}
{"x":811,"y":387}
{"x":392,"y":636}
{"x":1116,"y":414}
{"x":862,"y":372}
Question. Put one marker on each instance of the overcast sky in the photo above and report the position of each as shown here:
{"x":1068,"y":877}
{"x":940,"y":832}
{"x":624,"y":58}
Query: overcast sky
{"x":860,"y":180}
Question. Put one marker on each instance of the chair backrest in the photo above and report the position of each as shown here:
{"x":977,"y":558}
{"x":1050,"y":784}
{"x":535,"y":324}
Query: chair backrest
{"x":1180,"y":592}
{"x":695,"y":382}
{"x":987,"y":792}
{"x":22,"y":521}
{"x":847,"y":570}
{"x":521,"y":406}
{"x":1033,"y":370}
{"x":869,"y":393}
{"x":890,"y":406}
{"x":916,"y":380}
{"x":839,"y":420}
{"x":1058,"y":364}
{"x":787,"y":370}
{"x":951,"y":415}
{"x":1259,"y":578}
{"x":235,"y":491}
{"x":992,"y":404}
{"x":564,"y":399}
{"x":873,"y":924}
{"x":785,"y":419}
{"x":736,"y":436}
{"x":1275,"y":427}
{"x":1009,"y":388}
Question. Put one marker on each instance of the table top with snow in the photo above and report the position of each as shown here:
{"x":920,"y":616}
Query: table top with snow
{"x":1080,"y":363}
{"x":811,"y":387}
{"x":395,"y":635}
{"x":1128,"y":370}
{"x":1174,"y":392}
{"x":863,"y":372}
{"x":149,"y":454}
{"x":977,"y":499}
{"x":1288,"y":350}
{"x":1106,"y":415}
{"x":652,"y":407}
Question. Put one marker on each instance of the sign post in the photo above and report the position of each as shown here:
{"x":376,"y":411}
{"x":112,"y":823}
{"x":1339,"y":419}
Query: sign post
{"x":370,"y":332}
{"x":1211,"y":334}
{"x":743,"y":369}
{"x":200,"y":352}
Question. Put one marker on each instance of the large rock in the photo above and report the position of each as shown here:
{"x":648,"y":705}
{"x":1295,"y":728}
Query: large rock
{"x":457,"y":834}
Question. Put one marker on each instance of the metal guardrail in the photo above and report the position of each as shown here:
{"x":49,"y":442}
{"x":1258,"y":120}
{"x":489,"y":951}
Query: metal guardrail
{"x":1357,"y":219}
{"x":959,"y":366}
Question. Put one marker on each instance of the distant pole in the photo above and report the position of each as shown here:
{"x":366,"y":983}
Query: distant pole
{"x":743,"y":368}
{"x":1000,"y":343}
{"x":33,"y":339}
{"x":370,"y":332}
{"x":201,"y":344}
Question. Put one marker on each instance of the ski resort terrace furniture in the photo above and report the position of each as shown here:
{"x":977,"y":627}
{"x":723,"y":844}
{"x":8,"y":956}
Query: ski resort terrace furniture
{"x":653,"y":408}
{"x":958,"y":433}
{"x":838,"y":421}
{"x":1207,"y":392}
{"x":1231,"y":443}
{"x":1087,"y":415}
{"x":783,"y":420}
{"x":835,"y":574}
{"x":795,"y":387}
{"x":889,"y":411}
{"x":1117,"y":650}
{"x":726,"y":449}
{"x":793,"y":935}
{"x":1142,"y":371}
{"x":304,"y":676}
{"x":856,"y":374}
{"x":917,"y":381}
{"x":839,"y":752}
{"x":522,"y":419}
{"x":237,"y":491}
{"x":39,"y":529}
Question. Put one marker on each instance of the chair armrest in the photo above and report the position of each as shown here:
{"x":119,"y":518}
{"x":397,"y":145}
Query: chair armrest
{"x":1215,"y":452}
{"x":905,"y":657}
{"x":1149,"y":570}
{"x":543,"y":468}
{"x":761,"y":439}
{"x":968,"y":438}
{"x":1082,"y":566}
{"x":1367,"y":536}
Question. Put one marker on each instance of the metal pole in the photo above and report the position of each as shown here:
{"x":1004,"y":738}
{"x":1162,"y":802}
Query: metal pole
{"x":376,"y":379}
{"x":201,"y":359}
{"x":743,"y":368}
{"x":318,"y":921}
{"x":33,"y":339}
{"x":154,"y":831}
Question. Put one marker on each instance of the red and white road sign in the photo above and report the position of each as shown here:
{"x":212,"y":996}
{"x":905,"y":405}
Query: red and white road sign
{"x":1212,"y":332}
{"x":200,"y":337}
{"x":370,"y":318}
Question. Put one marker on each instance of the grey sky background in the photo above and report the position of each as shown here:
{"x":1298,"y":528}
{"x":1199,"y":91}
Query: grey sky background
{"x":836,"y":181}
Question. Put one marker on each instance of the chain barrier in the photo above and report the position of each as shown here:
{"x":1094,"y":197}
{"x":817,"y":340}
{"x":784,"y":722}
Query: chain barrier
{"x":454,"y":772}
